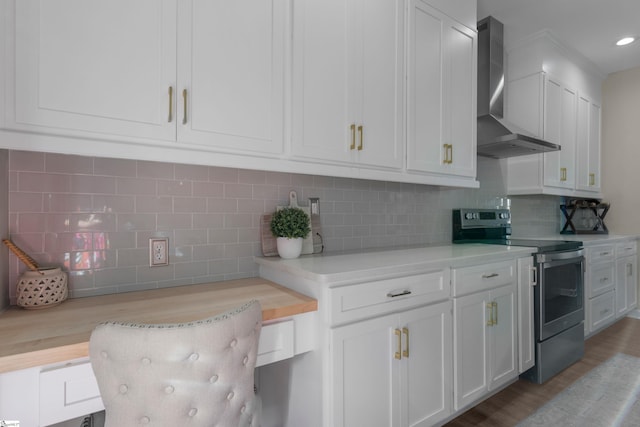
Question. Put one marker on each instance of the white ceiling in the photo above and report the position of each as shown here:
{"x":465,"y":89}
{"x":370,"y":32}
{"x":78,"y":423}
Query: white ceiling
{"x":591,"y":27}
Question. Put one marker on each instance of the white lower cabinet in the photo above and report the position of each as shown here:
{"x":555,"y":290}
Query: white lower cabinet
{"x":611,"y":282}
{"x":526,"y":326}
{"x":626,"y":277}
{"x":485,"y":330}
{"x":393,"y":370}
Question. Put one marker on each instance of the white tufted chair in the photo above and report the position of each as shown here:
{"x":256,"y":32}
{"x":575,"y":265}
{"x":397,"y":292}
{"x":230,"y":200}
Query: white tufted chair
{"x":185,"y":374}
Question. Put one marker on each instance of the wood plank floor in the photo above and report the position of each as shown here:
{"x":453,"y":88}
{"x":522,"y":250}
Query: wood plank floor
{"x":518,"y":401}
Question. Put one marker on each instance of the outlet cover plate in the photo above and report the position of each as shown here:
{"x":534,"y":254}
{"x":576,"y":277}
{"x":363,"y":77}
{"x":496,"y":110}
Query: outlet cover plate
{"x":158,"y":251}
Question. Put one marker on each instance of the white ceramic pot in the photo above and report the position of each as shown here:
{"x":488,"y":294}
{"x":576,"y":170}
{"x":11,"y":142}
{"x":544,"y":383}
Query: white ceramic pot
{"x":289,"y":248}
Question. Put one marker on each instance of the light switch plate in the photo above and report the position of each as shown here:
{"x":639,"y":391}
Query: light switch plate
{"x":158,"y":251}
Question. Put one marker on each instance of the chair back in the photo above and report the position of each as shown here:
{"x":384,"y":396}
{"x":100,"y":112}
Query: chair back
{"x":193,"y":374}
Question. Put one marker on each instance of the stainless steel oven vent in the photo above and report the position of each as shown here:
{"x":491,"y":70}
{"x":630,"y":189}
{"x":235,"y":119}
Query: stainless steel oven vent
{"x":497,"y":138}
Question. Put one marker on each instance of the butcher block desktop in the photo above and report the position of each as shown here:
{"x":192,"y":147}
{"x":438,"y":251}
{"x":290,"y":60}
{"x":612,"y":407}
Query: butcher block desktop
{"x":39,"y":337}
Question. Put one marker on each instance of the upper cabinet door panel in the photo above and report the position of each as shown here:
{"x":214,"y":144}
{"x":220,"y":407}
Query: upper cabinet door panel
{"x":231,"y":70}
{"x":348,"y":81}
{"x":323,"y":65}
{"x":380,"y":83}
{"x":96,"y":66}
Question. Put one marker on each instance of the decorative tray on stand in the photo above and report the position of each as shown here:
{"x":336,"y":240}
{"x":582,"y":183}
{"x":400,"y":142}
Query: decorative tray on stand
{"x":584,"y":216}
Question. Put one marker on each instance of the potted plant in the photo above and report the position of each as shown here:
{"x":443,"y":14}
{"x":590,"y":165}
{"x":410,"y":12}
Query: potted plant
{"x":290,"y":225}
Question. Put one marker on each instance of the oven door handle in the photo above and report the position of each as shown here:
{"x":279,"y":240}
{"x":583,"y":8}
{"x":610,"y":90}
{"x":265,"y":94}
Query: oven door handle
{"x":571,"y":256}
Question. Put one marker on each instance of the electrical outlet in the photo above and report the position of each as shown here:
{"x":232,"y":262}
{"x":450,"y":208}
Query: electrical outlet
{"x":158,"y":251}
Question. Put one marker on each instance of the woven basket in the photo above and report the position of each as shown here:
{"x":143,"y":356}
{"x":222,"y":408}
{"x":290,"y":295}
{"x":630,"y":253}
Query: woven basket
{"x":42,"y":289}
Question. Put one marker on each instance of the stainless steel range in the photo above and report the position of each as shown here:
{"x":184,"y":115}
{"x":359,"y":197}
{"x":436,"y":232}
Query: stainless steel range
{"x":558,"y":296}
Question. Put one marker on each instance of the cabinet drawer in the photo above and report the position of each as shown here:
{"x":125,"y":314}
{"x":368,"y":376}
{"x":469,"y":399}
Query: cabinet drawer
{"x":626,"y":248}
{"x":601,"y":311}
{"x":276,"y":342}
{"x":600,"y":253}
{"x":68,"y":392}
{"x":601,"y":278}
{"x":350,"y":303}
{"x":477,"y":278}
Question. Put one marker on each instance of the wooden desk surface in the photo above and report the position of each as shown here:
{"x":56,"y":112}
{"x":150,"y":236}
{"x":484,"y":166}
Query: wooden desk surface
{"x":31,"y":338}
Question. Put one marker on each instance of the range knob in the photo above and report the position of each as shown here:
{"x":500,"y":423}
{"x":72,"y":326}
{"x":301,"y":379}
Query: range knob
{"x":468,"y":215}
{"x":503,"y":215}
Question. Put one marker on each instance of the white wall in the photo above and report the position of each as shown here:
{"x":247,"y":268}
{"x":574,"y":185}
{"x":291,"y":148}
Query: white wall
{"x":621,"y":150}
{"x":4,"y":232}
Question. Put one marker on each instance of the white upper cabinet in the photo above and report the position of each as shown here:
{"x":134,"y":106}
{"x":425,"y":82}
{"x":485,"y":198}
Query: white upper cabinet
{"x":553,"y":106}
{"x":560,"y":128}
{"x":202,"y":72}
{"x":588,"y":160}
{"x":348,"y":81}
{"x":230,"y":87}
{"x":441,"y":93}
{"x":100,"y":67}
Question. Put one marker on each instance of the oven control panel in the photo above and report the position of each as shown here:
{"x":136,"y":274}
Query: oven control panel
{"x":482,"y":218}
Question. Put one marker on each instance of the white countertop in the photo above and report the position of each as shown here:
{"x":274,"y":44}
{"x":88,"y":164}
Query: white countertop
{"x":344,"y":267}
{"x":586,"y":239}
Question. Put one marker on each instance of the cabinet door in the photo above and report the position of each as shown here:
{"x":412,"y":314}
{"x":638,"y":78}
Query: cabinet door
{"x":526,"y":336}
{"x":503,"y":344}
{"x":560,"y":127}
{"x":99,"y":67}
{"x":364,"y":373}
{"x":471,"y":363}
{"x":322,"y":67}
{"x":379,"y":83}
{"x":588,"y":157}
{"x":347,"y":82}
{"x":626,"y":283}
{"x":231,"y":74}
{"x":441,"y":76}
{"x":427,"y":369}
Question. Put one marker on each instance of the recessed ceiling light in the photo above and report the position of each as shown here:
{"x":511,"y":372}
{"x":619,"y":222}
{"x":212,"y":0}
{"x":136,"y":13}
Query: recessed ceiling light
{"x":625,"y":41}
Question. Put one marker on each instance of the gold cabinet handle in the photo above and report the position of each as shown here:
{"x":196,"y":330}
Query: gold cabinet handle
{"x":495,"y":309}
{"x":361,"y":138}
{"x":563,"y":174}
{"x":353,"y":137}
{"x":170,"y":104}
{"x":398,"y":354}
{"x":448,"y":154}
{"x":184,"y":107}
{"x":405,"y":352}
{"x":490,"y":308}
{"x":592,"y":179}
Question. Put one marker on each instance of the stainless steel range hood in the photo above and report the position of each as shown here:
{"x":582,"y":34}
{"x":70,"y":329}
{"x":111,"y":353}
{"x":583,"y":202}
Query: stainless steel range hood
{"x":497,"y":138}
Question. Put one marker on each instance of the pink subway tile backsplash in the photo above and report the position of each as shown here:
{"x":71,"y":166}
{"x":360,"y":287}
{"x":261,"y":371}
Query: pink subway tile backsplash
{"x":94,"y":216}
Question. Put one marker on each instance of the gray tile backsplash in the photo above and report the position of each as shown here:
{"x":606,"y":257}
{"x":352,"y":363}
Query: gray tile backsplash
{"x":94,"y":216}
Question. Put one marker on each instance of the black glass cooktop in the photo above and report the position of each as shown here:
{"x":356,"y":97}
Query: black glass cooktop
{"x":541,"y":245}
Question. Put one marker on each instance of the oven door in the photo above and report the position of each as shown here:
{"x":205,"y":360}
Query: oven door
{"x":560,"y":293}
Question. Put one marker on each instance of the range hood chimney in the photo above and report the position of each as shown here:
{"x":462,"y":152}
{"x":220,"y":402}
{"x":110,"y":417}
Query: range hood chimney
{"x":497,"y":138}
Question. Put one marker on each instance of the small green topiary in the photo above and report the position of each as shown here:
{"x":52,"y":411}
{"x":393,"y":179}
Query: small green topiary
{"x":290,"y":222}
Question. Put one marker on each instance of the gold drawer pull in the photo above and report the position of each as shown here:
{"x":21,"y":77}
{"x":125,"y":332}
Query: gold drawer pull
{"x":184,"y":107}
{"x":353,"y":137}
{"x":405,"y":353}
{"x":170,"y":104}
{"x":489,"y":276}
{"x":398,"y":354}
{"x":360,"y":131}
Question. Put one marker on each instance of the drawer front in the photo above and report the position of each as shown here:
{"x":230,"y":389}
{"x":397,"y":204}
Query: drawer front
{"x":600,"y":253}
{"x":626,"y":248}
{"x":477,"y":278}
{"x":68,"y":392}
{"x":276,"y":342}
{"x":601,"y":278}
{"x":601,"y":310}
{"x":355,"y":302}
